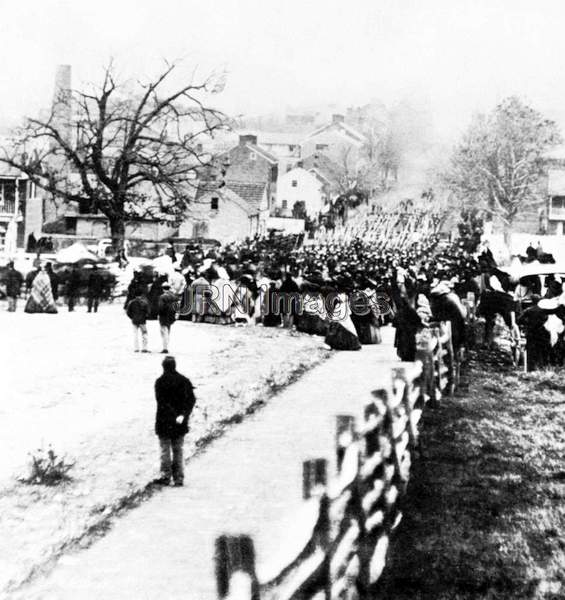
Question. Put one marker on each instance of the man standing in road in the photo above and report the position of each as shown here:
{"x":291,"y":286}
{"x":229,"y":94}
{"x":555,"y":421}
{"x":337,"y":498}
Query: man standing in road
{"x":167,"y":310}
{"x":14,"y":280}
{"x":175,"y":401}
{"x":73,"y":286}
{"x":137,"y":310}
{"x":95,"y":287}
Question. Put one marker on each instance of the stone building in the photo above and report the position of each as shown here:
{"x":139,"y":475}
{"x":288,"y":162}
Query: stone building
{"x":337,"y":140}
{"x":221,"y":215}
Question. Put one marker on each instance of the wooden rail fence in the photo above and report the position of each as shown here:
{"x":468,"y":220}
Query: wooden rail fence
{"x":348,"y":518}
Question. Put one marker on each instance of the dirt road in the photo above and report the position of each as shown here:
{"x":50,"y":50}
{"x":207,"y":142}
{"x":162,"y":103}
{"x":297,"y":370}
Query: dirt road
{"x":248,"y":481}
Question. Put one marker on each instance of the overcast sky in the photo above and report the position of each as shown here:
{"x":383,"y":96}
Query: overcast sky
{"x":455,"y":56}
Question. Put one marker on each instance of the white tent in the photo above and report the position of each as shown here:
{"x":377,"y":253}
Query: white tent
{"x":74,"y":253}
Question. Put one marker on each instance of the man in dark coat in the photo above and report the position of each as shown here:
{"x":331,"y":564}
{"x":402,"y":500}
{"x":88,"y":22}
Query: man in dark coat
{"x":73,"y":287}
{"x":175,"y":401}
{"x":95,"y":287}
{"x":14,"y":280}
{"x":138,"y":311}
{"x":167,"y":313}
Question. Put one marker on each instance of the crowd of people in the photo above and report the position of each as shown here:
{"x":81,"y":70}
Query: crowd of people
{"x":342,"y":288}
{"x":346,"y":290}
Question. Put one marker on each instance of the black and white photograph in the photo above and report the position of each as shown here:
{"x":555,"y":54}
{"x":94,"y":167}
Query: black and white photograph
{"x":282,"y":300}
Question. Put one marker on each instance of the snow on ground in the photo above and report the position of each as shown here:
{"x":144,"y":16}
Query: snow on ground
{"x":247,"y":482}
{"x":72,"y":380}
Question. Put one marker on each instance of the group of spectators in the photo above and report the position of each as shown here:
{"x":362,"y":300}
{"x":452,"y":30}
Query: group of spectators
{"x":43,"y":286}
{"x":342,"y":290}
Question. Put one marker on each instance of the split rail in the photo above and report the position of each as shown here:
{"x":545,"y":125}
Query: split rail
{"x":347,"y":519}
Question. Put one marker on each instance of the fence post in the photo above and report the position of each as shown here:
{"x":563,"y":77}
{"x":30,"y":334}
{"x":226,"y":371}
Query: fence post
{"x":344,"y":435}
{"x":314,"y":477}
{"x":235,"y":555}
{"x":451,"y":360}
{"x":425,"y":355}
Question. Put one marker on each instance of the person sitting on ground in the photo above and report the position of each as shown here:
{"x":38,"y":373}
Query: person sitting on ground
{"x":175,"y":401}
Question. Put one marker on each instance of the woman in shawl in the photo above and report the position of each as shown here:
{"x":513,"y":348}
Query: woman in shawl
{"x":311,"y":317}
{"x":341,"y":331}
{"x":41,"y":297}
{"x":365,"y":314}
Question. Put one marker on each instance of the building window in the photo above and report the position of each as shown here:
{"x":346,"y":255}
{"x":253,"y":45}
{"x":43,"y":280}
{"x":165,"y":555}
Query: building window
{"x":252,"y":156}
{"x":322,"y":146}
{"x":215,"y":203}
{"x":70,"y":225}
{"x":285,"y":204}
{"x":557,"y":207}
{"x":291,"y":148}
{"x":294,"y":183}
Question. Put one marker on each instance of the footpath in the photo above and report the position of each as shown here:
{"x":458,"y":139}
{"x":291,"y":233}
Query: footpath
{"x":248,"y":481}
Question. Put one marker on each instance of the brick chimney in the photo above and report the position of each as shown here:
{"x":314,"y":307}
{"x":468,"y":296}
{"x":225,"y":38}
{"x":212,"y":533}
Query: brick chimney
{"x":247,"y":139}
{"x":338,"y":119}
{"x":61,"y":106}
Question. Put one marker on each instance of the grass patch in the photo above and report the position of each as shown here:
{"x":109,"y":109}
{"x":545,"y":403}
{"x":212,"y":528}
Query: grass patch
{"x":485,"y":512}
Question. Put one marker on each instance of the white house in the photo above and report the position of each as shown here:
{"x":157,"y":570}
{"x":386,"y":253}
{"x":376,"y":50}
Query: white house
{"x":299,"y":192}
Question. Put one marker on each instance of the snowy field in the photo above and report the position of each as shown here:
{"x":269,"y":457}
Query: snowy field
{"x":72,"y":380}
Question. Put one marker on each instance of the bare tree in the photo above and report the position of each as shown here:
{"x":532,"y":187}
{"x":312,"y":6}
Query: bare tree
{"x":499,"y":161}
{"x":129,"y":150}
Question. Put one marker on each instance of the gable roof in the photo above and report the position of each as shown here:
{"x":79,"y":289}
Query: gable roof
{"x":252,"y":193}
{"x":346,"y":130}
{"x":263,"y":153}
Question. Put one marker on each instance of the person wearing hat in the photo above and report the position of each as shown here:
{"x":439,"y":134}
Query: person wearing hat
{"x":175,"y":401}
{"x":166,"y":313}
{"x":94,"y":289}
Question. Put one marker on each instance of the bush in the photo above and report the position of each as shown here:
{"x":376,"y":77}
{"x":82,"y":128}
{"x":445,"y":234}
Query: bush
{"x":46,"y":468}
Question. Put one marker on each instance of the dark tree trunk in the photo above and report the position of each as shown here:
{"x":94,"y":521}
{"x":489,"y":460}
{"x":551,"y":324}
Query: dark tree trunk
{"x":118,"y":234}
